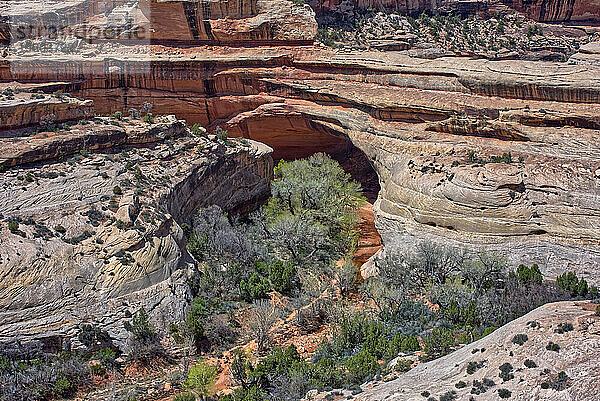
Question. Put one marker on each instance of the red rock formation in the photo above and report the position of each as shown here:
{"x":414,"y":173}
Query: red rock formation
{"x":558,"y":10}
{"x":436,"y":132}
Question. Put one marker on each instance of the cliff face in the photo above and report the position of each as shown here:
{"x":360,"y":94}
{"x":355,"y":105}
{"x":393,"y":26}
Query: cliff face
{"x":557,"y":10}
{"x":98,"y":234}
{"x":497,"y":156}
{"x":401,"y":6}
{"x":174,"y":21}
{"x":19,"y":110}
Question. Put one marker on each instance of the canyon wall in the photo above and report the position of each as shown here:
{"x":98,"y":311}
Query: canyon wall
{"x":173,"y":21}
{"x":557,"y":10}
{"x":496,"y":156}
{"x":98,"y":232}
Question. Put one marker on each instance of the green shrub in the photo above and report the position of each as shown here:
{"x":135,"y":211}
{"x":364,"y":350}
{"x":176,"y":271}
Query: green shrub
{"x":255,"y":287}
{"x":13,"y":226}
{"x":221,"y":134}
{"x":504,"y":393}
{"x":202,"y":378}
{"x":571,"y":284}
{"x":198,"y":130}
{"x":362,"y":367}
{"x":283,"y":276}
{"x":117,"y":190}
{"x":403,"y":365}
{"x":107,"y":356}
{"x":195,"y":319}
{"x":63,"y":387}
{"x":148,"y":118}
{"x":529,"y":275}
{"x":97,"y":369}
{"x":553,"y":347}
{"x":140,"y":327}
{"x":460,"y":384}
{"x":438,"y":343}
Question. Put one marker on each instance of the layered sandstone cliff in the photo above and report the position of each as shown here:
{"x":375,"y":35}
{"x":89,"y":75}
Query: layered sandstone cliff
{"x":94,"y":230}
{"x":499,"y":156}
{"x":557,"y":10}
{"x":173,"y":21}
{"x":25,"y":109}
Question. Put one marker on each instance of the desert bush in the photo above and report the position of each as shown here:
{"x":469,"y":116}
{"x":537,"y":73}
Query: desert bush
{"x":202,"y":378}
{"x":94,"y":338}
{"x":563,"y":328}
{"x":448,"y":396}
{"x":520,"y":339}
{"x":506,"y":372}
{"x":551,"y":346}
{"x":263,"y":316}
{"x":530,"y":364}
{"x":144,"y":343}
{"x":45,"y":377}
{"x":574,"y":286}
{"x":438,"y":343}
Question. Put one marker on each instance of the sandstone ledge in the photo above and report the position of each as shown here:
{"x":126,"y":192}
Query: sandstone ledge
{"x":88,"y":253}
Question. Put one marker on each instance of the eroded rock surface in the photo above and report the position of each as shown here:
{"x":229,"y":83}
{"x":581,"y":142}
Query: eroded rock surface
{"x":25,"y":109}
{"x":558,"y":10}
{"x":98,"y":233}
{"x":500,"y":156}
{"x":534,"y":372}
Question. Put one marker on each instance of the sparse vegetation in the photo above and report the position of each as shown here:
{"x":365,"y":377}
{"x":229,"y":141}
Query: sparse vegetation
{"x":530,"y":364}
{"x":520,"y":339}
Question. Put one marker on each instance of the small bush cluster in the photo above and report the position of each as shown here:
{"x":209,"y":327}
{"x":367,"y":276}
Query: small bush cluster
{"x":520,"y":339}
{"x":551,"y":346}
{"x":506,"y":370}
{"x":564,"y":328}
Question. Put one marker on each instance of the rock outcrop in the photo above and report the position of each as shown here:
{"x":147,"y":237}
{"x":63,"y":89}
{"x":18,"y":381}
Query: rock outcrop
{"x":497,"y":156}
{"x":173,"y":21}
{"x":25,"y":109}
{"x":94,"y":229}
{"x":557,"y":10}
{"x":535,"y":370}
